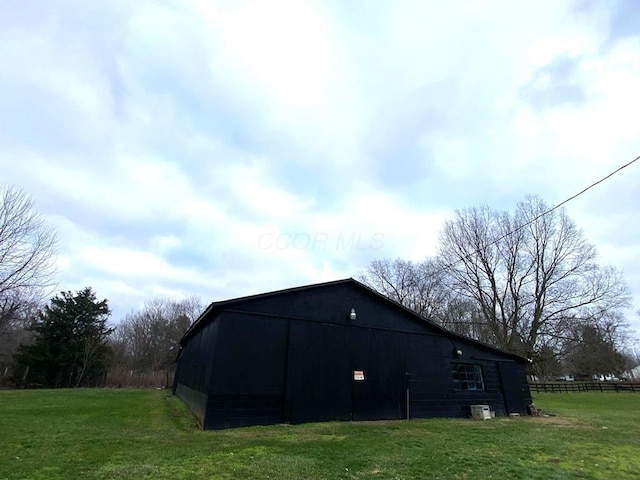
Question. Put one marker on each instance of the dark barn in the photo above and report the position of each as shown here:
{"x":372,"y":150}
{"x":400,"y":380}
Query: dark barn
{"x":336,"y":351}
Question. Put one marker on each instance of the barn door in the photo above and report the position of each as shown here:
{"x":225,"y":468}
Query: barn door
{"x":510,"y":379}
{"x":377,"y":375}
{"x":319,"y":373}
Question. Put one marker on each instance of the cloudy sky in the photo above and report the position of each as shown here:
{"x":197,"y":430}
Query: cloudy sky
{"x":224,"y":148}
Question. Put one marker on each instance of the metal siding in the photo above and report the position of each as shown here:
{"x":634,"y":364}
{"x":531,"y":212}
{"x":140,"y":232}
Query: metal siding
{"x":195,"y":400}
{"x":248,"y":374}
{"x":193,"y":371}
{"x":195,"y":360}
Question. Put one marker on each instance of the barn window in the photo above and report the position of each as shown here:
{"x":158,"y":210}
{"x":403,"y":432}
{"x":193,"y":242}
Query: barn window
{"x":467,"y":377}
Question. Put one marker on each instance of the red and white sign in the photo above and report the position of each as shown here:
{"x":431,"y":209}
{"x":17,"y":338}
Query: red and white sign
{"x":358,"y":375}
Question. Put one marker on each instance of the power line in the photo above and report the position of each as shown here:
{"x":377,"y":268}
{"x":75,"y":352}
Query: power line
{"x":591,"y":186}
{"x":546,"y":212}
{"x":524,"y":225}
{"x":564,"y":202}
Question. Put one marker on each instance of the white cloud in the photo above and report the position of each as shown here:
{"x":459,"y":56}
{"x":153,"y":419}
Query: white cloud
{"x":136,"y":265}
{"x":167,"y":139}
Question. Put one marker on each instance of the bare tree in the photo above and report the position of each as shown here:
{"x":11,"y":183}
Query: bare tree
{"x":146,"y":341}
{"x":632,"y":360}
{"x":463,"y":316}
{"x":27,"y":246}
{"x":421,"y":287}
{"x":15,"y":330}
{"x":530,"y":273}
{"x":91,"y":353}
{"x":417,"y":286}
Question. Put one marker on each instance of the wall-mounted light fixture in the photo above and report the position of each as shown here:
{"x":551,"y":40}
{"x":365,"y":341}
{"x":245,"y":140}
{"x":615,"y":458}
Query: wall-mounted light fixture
{"x":352,"y":315}
{"x":458,"y":352}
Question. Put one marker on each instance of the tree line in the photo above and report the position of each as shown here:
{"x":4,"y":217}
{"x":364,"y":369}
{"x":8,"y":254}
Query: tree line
{"x":69,"y":340}
{"x":70,"y":343}
{"x":145,"y":345}
{"x":525,"y":281}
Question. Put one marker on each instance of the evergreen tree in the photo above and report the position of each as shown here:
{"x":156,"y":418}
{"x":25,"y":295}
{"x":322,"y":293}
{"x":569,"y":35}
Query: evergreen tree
{"x":69,"y":348}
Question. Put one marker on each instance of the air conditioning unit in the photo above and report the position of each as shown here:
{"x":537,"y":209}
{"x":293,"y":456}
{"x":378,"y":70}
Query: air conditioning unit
{"x":480,"y":412}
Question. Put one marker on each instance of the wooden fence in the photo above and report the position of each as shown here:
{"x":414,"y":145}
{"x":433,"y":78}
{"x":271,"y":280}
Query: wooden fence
{"x":573,"y":387}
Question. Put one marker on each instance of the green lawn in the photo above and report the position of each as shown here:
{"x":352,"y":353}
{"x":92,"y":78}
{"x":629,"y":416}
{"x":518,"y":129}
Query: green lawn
{"x":115,"y":434}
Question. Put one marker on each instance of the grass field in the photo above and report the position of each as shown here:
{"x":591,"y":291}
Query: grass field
{"x":116,"y":434}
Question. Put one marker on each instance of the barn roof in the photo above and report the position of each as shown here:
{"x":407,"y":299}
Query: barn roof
{"x":216,"y":307}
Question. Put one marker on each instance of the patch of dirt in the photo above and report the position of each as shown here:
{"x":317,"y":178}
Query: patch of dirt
{"x":557,"y":421}
{"x":378,"y":422}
